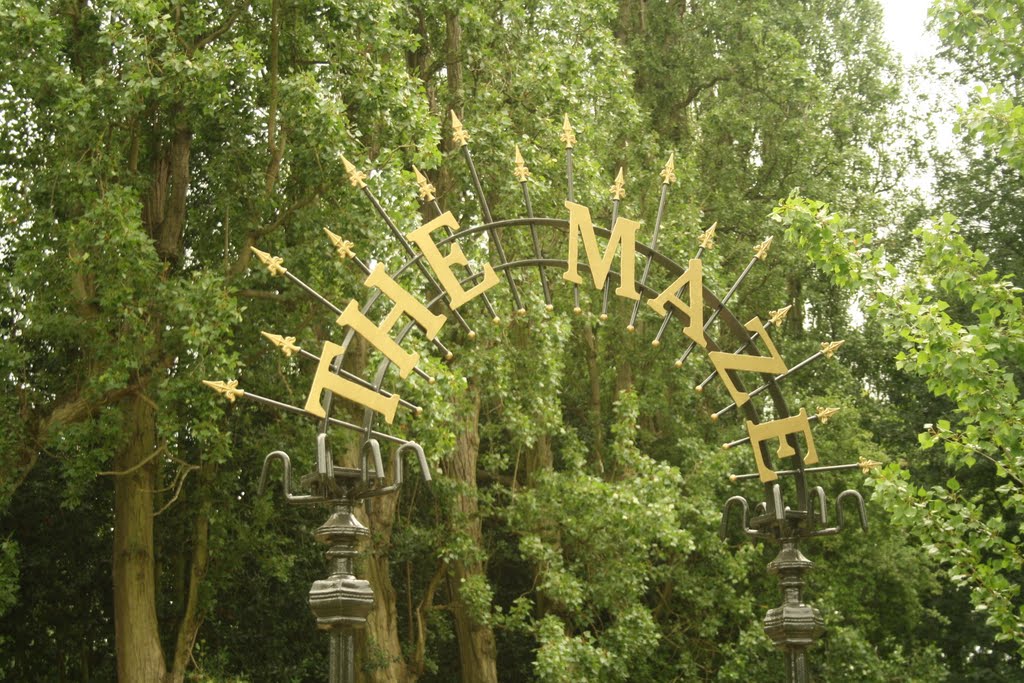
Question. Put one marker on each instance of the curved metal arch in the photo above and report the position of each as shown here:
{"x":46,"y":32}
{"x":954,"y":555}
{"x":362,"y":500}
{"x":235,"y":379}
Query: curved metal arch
{"x":674,"y":269}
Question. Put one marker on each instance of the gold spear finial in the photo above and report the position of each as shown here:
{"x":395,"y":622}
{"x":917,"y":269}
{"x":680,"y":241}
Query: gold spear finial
{"x":341,"y":245}
{"x":867,"y":465}
{"x":761,"y":250}
{"x":668,"y":174}
{"x":568,"y":136}
{"x":286,"y":344}
{"x":521,"y":172}
{"x":459,"y":135}
{"x":777,"y":316}
{"x":356,"y":177}
{"x":825,"y":414}
{"x":426,"y":189}
{"x":273,"y":263}
{"x":828,"y":349}
{"x":618,"y":190}
{"x":229,"y":389}
{"x":707,"y":238}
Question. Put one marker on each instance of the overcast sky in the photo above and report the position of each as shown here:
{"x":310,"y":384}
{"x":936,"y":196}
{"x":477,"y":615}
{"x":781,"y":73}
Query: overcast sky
{"x":905,"y":28}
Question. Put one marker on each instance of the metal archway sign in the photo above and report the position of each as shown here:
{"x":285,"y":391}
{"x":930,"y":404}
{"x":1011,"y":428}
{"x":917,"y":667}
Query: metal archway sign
{"x":743,"y":351}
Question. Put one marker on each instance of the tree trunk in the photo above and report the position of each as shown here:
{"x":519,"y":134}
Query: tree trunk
{"x":140,"y":658}
{"x":477,"y":648}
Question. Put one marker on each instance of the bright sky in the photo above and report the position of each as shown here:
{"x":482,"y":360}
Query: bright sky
{"x":905,"y":28}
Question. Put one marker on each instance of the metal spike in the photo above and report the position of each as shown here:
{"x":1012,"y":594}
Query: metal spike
{"x":568,"y":135}
{"x":828,"y":349}
{"x":668,"y":174}
{"x":229,"y":389}
{"x":866,"y":465}
{"x":825,"y":414}
{"x":761,"y":250}
{"x":426,"y":189}
{"x":521,"y":172}
{"x":707,"y":238}
{"x":618,"y":190}
{"x":460,"y":137}
{"x":342,"y":246}
{"x":273,"y":263}
{"x":777,"y":316}
{"x":286,"y":344}
{"x":356,"y":177}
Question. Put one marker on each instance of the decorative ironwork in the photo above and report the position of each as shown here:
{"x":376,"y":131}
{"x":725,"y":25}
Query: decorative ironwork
{"x":790,"y":511}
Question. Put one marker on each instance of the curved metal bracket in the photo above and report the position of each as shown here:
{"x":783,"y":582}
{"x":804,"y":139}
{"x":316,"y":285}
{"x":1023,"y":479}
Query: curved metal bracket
{"x":744,"y":518}
{"x":378,"y":462}
{"x":286,"y":479}
{"x":820,"y":516}
{"x":861,"y":510}
{"x":399,"y":468}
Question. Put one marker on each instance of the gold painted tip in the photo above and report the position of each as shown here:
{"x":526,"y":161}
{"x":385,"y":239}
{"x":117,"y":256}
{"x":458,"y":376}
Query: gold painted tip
{"x":868,"y":465}
{"x":603,"y":316}
{"x":419,"y":411}
{"x":828,"y":349}
{"x":471,"y":335}
{"x":679,"y":363}
{"x":825,"y":414}
{"x":668,"y":174}
{"x":761,"y":250}
{"x":229,"y":389}
{"x":630,"y":328}
{"x":521,"y":311}
{"x":273,"y":263}
{"x":655,"y":343}
{"x":707,"y":238}
{"x":341,"y":245}
{"x":577,"y":310}
{"x":549,"y":307}
{"x":777,"y":316}
{"x":618,"y":188}
{"x":426,"y":189}
{"x":496,"y":320}
{"x":568,"y":136}
{"x":459,"y":135}
{"x":699,"y":389}
{"x":355,"y":177}
{"x":521,"y":172}
{"x":732,"y":477}
{"x":286,"y":344}
{"x":714,"y":417}
{"x":449,"y":355}
{"x":431,"y":380}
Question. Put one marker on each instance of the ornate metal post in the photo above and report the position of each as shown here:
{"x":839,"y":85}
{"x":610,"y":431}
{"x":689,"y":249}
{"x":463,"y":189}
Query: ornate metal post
{"x":341,"y":602}
{"x":794,"y":626}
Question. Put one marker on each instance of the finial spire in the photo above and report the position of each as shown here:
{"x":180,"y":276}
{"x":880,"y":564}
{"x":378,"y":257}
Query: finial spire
{"x":668,"y":174}
{"x":273,"y":263}
{"x":426,"y":189}
{"x":618,"y":189}
{"x":459,"y":135}
{"x":356,"y":177}
{"x":761,"y":250}
{"x":828,"y":349}
{"x":707,"y":238}
{"x":286,"y":344}
{"x":521,"y":172}
{"x":777,"y":316}
{"x":341,"y":245}
{"x":229,"y":389}
{"x":568,"y":136}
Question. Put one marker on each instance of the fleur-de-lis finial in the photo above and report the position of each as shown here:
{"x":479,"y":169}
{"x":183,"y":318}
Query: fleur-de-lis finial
{"x":356,"y":177}
{"x":459,"y":135}
{"x":761,"y":250}
{"x":286,"y":344}
{"x":777,"y":316}
{"x":618,"y":190}
{"x":229,"y":389}
{"x":341,"y":245}
{"x":568,"y":136}
{"x":707,"y":238}
{"x":426,"y":189}
{"x":521,"y":172}
{"x":828,"y":349}
{"x":866,"y":465}
{"x":668,"y":174}
{"x":273,"y":263}
{"x":825,"y":414}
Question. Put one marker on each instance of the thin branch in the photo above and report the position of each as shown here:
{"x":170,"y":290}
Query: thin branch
{"x":121,"y":473}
